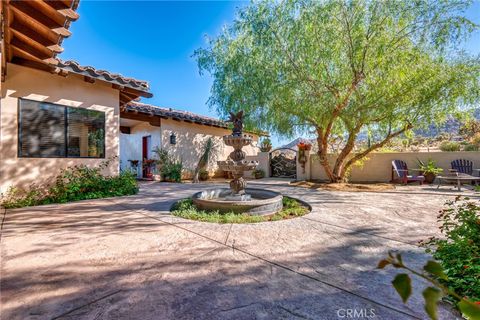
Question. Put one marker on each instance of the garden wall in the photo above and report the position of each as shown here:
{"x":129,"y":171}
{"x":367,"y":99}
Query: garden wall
{"x":263,"y":159}
{"x":377,"y":167}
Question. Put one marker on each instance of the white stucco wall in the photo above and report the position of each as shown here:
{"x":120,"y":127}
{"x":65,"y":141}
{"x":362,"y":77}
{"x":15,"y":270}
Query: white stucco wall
{"x":190,"y":140}
{"x":72,"y":91}
{"x":131,"y":146}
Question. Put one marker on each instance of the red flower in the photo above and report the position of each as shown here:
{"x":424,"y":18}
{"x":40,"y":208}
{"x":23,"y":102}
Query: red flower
{"x":304,"y":146}
{"x":466,"y":267}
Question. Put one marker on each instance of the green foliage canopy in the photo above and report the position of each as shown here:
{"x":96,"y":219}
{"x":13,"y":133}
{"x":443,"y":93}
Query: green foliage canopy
{"x":336,"y":68}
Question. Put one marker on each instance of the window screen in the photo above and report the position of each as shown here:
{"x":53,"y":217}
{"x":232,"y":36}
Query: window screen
{"x":50,"y":130}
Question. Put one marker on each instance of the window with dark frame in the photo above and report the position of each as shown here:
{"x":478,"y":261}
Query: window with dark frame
{"x":48,"y":130}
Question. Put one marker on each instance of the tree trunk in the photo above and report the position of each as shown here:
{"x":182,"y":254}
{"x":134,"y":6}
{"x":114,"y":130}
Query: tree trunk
{"x":341,"y":163}
{"x":323,"y":156}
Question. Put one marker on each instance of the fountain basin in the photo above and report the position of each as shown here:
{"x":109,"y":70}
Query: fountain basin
{"x":237,"y":167}
{"x":237,"y":140}
{"x":261,"y":203}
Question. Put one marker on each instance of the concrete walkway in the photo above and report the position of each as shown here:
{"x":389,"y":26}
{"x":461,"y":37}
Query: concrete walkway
{"x":128,"y":258}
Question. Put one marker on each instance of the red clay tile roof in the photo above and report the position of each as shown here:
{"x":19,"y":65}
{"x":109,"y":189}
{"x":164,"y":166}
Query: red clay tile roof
{"x":174,"y":114}
{"x":114,"y":78}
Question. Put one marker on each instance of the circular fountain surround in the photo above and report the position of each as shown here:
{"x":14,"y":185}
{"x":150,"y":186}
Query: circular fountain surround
{"x":261,"y":202}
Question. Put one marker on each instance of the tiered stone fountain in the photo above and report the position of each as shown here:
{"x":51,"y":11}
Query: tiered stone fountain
{"x":238,"y":198}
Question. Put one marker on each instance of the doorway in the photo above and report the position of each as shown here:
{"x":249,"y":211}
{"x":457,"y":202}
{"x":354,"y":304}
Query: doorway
{"x":146,"y":154}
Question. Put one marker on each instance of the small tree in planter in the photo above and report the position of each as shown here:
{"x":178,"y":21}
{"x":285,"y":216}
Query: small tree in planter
{"x":266,"y":145}
{"x":429,"y":170}
{"x":209,"y":149}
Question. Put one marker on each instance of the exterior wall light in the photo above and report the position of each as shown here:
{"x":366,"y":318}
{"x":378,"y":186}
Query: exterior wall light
{"x":173,"y":138}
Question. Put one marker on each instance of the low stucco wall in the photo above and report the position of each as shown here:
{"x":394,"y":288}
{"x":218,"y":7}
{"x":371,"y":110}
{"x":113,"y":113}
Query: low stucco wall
{"x":377,"y":167}
{"x":72,"y":91}
{"x":263,"y":159}
{"x":191,"y":139}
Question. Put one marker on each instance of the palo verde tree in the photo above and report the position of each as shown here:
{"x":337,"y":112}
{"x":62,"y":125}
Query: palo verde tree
{"x":339,"y":68}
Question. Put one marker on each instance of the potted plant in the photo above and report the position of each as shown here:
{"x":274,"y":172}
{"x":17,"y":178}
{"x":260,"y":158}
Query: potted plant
{"x":172,"y":171}
{"x":429,"y":170}
{"x":148,"y":165}
{"x":266,"y":145}
{"x":258,"y":173}
{"x":203,"y":175}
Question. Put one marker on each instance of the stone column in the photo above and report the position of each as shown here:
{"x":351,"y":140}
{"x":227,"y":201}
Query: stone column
{"x":264,"y":163}
{"x":303,"y":169}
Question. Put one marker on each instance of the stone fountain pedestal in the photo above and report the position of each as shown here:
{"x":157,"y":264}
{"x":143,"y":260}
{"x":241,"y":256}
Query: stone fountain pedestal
{"x":238,"y":198}
{"x":237,"y":165}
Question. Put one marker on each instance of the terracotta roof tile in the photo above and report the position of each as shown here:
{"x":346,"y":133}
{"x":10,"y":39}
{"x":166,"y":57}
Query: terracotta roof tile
{"x":175,"y":114}
{"x":115,"y":78}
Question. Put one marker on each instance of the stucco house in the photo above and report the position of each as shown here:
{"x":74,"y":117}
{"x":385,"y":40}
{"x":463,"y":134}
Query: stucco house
{"x":55,"y":113}
{"x":144,"y":127}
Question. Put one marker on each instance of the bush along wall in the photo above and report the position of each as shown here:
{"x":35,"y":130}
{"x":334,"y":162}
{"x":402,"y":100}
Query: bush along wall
{"x":72,"y":184}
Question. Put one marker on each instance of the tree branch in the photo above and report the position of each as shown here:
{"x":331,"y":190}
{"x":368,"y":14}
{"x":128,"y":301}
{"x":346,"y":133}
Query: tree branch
{"x":377,"y":145}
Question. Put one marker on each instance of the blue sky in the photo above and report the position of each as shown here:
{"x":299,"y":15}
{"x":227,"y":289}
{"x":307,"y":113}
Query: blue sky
{"x":154,"y":41}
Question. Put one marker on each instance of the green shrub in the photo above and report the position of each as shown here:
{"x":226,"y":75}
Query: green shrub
{"x":450,"y":146}
{"x":72,"y":184}
{"x":457,"y":276}
{"x":258,"y":173}
{"x":172,"y":171}
{"x":18,"y":198}
{"x":470,"y":147}
{"x":162,"y":156}
{"x":169,"y":167}
{"x":459,"y":251}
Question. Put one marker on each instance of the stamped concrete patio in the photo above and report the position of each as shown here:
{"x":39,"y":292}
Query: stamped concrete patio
{"x":128,"y":258}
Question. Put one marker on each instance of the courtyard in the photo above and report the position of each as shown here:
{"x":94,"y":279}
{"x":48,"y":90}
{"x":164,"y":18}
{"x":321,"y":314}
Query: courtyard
{"x":128,"y":257}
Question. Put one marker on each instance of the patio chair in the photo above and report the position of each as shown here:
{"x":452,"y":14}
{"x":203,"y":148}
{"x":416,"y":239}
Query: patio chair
{"x":462,"y":166}
{"x":400,"y":173}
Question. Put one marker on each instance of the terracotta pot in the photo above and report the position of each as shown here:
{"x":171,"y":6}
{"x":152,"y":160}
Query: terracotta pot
{"x":203,"y":176}
{"x":429,"y":177}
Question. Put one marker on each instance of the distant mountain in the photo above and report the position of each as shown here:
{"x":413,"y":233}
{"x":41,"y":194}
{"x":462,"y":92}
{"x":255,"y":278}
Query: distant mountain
{"x":293,"y":144}
{"x":451,"y":126}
